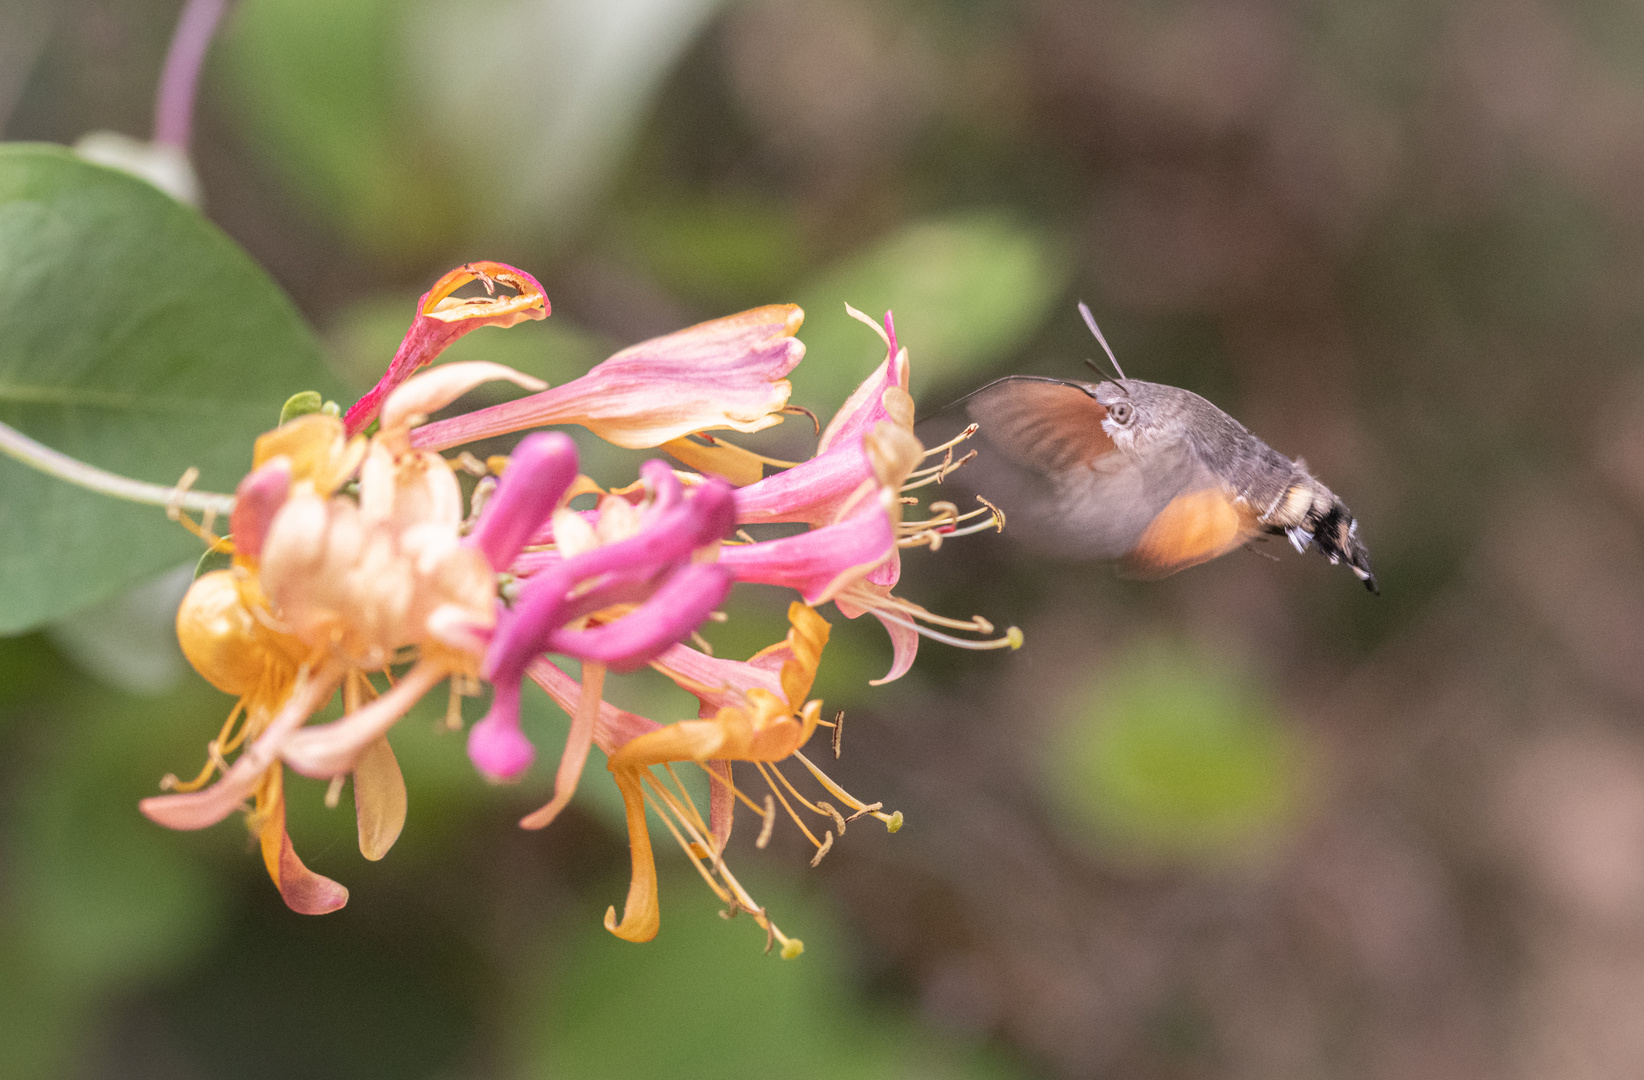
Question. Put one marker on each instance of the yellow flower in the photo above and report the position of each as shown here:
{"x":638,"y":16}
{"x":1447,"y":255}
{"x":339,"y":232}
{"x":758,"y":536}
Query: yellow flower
{"x":323,"y":591}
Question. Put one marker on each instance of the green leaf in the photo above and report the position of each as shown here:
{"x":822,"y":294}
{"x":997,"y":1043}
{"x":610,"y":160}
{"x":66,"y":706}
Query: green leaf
{"x":319,"y":84}
{"x":1171,"y":756}
{"x":966,"y":291}
{"x":138,"y":338}
{"x":703,"y":999}
{"x":381,"y":115}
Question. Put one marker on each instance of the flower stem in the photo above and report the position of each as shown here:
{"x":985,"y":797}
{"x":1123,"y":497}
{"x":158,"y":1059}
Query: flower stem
{"x":174,"y":104}
{"x":14,"y":443}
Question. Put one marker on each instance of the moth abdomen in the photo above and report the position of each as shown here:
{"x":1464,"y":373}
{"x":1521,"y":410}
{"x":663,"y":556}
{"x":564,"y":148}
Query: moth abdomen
{"x":1309,"y":513}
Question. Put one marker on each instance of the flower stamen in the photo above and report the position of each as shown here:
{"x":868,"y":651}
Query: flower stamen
{"x":893,"y":821}
{"x":761,"y":766}
{"x":717,"y":875}
{"x":1012,"y":638}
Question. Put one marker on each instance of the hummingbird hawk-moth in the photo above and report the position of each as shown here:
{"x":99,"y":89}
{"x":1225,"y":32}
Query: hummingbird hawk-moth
{"x":1153,"y":476}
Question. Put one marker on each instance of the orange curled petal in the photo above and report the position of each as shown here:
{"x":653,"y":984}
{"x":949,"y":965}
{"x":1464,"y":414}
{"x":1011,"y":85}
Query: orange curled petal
{"x":687,"y":740}
{"x":641,"y":914}
{"x":762,"y":730}
{"x":735,"y":465}
{"x":806,"y":640}
{"x":303,"y":891}
{"x":529,"y":303}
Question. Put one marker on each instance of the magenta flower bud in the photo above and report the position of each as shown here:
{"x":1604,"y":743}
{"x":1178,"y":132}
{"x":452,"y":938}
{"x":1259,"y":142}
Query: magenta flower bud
{"x":496,"y":745}
{"x":541,"y":467}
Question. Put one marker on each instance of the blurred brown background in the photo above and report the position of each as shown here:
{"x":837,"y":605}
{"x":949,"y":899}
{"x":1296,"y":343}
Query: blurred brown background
{"x":1244,"y":823}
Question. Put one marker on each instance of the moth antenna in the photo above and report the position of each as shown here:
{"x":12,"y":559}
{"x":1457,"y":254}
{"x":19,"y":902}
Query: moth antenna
{"x":1090,"y":321}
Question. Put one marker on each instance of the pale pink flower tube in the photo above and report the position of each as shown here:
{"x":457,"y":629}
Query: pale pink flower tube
{"x":727,"y":373}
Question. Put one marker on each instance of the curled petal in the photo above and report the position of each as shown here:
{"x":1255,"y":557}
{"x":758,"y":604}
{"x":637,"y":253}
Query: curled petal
{"x":904,"y":638}
{"x":539,"y":471}
{"x":198,"y":809}
{"x":442,"y":318}
{"x":641,"y":916}
{"x":762,"y":730}
{"x":328,"y":750}
{"x":882,"y":396}
{"x":303,"y":891}
{"x":727,"y":373}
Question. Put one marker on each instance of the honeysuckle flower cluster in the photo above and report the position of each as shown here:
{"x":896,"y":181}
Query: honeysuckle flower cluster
{"x":359,"y":566}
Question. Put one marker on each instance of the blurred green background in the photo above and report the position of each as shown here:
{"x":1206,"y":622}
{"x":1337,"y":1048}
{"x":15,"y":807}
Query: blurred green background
{"x":1246,"y":822}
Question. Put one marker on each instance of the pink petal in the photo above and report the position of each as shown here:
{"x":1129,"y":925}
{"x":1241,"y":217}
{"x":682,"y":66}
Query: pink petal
{"x":904,"y":639}
{"x":328,"y":750}
{"x":718,"y":682}
{"x":438,"y":388}
{"x":256,"y":501}
{"x":304,"y":891}
{"x":614,"y":727}
{"x":681,"y":605}
{"x":820,"y":562}
{"x":727,"y":373}
{"x":812,"y":491}
{"x":867,"y":405}
{"x":198,"y":809}
{"x":524,"y":631}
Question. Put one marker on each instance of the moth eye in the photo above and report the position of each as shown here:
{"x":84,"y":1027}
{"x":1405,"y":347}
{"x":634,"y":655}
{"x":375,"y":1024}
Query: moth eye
{"x":1121,"y":412}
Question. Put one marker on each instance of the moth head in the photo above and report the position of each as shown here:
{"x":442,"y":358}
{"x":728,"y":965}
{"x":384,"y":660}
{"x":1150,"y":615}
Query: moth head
{"x":1127,"y":411}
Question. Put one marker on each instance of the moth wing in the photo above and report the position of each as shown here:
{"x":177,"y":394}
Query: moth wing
{"x":1044,"y":425}
{"x":1065,"y":488}
{"x":1194,"y":527}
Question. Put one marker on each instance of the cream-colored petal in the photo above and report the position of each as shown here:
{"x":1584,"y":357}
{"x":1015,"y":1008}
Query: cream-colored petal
{"x":379,"y":799}
{"x":439,"y":387}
